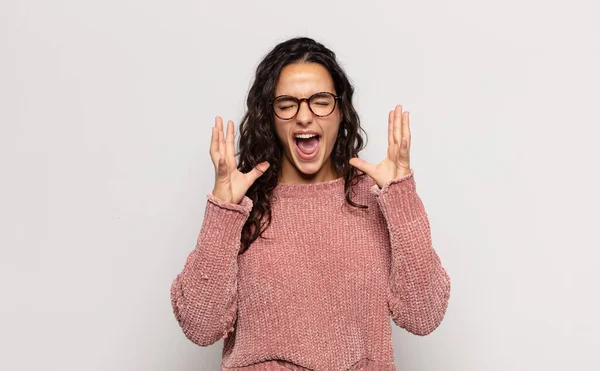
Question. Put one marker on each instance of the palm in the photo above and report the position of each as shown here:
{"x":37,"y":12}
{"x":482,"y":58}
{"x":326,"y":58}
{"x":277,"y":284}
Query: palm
{"x":397,"y":162}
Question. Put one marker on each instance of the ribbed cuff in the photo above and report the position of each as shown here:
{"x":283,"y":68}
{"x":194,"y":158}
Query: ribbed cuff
{"x":244,"y":207}
{"x":225,"y":220}
{"x":399,"y":201}
{"x":378,"y":191}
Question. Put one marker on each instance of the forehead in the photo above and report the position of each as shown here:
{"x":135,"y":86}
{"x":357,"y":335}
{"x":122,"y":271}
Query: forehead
{"x":303,"y":79}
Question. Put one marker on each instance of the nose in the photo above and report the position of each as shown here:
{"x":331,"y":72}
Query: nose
{"x":305,"y":115}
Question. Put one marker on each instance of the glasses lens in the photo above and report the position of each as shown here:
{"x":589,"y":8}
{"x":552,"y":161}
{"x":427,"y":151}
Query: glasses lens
{"x":285,"y":107}
{"x":322,"y":104}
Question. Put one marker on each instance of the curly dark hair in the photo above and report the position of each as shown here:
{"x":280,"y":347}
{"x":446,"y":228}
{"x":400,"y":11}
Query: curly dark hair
{"x":258,"y":141}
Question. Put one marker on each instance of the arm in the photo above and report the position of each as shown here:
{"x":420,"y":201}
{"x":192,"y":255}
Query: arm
{"x":419,"y":287}
{"x":204,"y":294}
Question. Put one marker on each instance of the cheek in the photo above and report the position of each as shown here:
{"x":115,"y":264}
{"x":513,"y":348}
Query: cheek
{"x":332,"y":131}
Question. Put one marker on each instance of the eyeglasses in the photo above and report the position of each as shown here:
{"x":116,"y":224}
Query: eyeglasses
{"x":321,"y":104}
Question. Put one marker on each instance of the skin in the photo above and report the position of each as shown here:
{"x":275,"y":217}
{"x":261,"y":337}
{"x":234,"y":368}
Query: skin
{"x":302,"y":80}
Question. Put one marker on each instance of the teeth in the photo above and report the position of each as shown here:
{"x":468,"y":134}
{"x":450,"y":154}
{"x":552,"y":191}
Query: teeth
{"x":305,"y":136}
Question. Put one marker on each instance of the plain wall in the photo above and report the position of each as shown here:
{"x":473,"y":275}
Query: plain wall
{"x":106,"y":109}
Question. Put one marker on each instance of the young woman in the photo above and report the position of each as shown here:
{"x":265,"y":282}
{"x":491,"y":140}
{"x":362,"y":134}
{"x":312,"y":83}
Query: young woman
{"x":306,"y":250}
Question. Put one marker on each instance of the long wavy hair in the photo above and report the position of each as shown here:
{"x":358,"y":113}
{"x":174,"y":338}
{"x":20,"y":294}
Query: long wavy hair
{"x":258,"y":140}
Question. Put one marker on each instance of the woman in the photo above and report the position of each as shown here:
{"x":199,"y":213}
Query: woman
{"x":306,"y":250}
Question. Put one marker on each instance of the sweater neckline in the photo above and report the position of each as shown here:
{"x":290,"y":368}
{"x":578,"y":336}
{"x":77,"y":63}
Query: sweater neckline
{"x":307,"y":190}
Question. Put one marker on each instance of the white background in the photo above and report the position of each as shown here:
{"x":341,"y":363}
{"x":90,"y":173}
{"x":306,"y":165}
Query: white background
{"x":105,"y":112}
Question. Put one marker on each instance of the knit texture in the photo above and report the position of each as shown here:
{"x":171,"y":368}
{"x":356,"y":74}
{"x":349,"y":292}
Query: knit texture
{"x":317,"y":292}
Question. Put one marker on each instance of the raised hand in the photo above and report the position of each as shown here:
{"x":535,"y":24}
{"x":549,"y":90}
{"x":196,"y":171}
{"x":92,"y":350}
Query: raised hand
{"x":397,"y":162}
{"x":230,"y":184}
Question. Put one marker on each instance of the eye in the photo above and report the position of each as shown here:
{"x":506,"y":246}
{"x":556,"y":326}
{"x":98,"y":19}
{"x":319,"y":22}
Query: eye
{"x":322,"y":99}
{"x":284,"y":103}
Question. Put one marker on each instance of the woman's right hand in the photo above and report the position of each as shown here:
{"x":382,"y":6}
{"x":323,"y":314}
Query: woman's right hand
{"x":231,"y":185}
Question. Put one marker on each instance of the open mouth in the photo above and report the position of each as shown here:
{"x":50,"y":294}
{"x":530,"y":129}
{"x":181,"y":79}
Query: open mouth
{"x":307,"y":145}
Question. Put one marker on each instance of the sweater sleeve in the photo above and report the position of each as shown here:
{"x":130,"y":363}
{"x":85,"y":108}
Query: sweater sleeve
{"x":419,"y":287}
{"x":204,"y":293}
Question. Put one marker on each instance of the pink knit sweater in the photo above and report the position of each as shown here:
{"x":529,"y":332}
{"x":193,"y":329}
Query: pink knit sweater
{"x":317,"y":293}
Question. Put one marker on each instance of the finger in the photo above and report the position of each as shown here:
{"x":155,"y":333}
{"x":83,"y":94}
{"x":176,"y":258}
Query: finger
{"x":222,"y":157}
{"x":214,"y":145}
{"x":218,"y":121}
{"x":221,"y":139}
{"x":363,"y":165}
{"x":214,"y":141}
{"x":406,"y":129}
{"x":230,"y":147}
{"x":257,"y":171}
{"x":398,"y":124}
{"x":390,"y":128}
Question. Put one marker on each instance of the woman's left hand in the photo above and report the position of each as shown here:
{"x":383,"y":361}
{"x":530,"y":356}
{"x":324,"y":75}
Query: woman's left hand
{"x":397,"y":162}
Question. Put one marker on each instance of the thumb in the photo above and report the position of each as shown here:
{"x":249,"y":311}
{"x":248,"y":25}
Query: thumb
{"x":362,"y":165}
{"x":257,"y":171}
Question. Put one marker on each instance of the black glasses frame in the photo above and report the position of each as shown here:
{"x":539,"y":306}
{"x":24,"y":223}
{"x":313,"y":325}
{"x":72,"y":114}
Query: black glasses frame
{"x":307,"y":100}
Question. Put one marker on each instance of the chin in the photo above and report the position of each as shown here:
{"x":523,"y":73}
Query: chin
{"x":310,"y":168}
